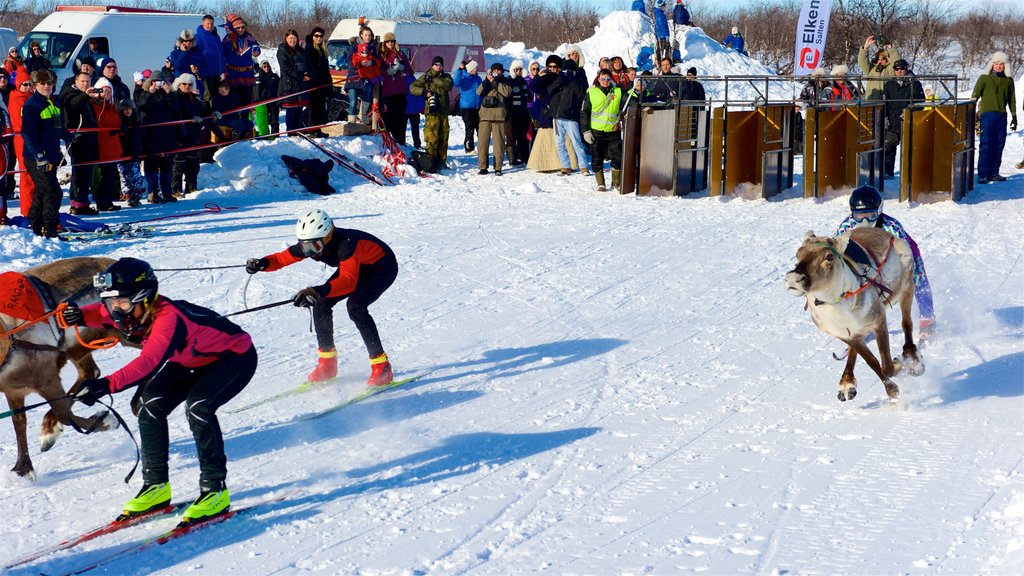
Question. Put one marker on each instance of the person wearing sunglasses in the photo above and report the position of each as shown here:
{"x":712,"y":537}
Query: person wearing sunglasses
{"x":37,"y":59}
{"x":394,"y":87}
{"x":366,"y":268}
{"x":901,"y":92}
{"x":879,"y":67}
{"x":42,"y":129}
{"x":187,"y":354}
{"x":319,"y":73}
{"x":866,"y":211}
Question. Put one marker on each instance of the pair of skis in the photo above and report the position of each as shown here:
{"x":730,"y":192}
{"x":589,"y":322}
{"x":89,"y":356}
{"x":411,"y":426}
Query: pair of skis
{"x":164,"y":537}
{"x":310,"y":386}
{"x":346,"y":162}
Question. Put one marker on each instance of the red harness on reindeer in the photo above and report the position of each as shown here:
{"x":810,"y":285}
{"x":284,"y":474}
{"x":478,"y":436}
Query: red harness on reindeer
{"x":28,"y":298}
{"x":856,"y":254}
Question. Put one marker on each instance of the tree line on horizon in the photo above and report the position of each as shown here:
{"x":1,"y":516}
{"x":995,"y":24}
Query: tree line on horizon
{"x":935,"y":36}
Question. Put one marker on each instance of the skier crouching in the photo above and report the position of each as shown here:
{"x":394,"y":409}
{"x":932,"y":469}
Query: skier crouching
{"x":189,"y":354}
{"x":366,"y":269}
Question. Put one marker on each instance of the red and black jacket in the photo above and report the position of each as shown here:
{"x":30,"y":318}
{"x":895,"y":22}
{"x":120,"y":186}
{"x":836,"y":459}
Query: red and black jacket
{"x":352,"y":252}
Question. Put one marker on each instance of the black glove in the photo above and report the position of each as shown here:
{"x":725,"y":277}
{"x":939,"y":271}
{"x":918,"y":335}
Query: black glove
{"x":1013,"y":125}
{"x":91,"y":390}
{"x":307,"y":298}
{"x":72,"y":314}
{"x":254,"y":265}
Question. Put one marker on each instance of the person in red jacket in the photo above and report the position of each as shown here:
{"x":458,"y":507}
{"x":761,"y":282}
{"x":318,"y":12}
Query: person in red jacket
{"x":19,"y":95}
{"x":367,"y":267}
{"x":189,"y":354}
{"x":108,"y":120}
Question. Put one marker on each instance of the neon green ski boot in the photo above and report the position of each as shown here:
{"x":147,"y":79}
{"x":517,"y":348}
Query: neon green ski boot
{"x":151,"y":497}
{"x":209,"y":504}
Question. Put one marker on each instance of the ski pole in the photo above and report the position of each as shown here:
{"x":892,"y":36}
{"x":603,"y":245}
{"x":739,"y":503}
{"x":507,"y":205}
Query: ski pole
{"x":256,"y":309}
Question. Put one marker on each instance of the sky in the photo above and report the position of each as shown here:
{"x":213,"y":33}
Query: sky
{"x":614,"y":385}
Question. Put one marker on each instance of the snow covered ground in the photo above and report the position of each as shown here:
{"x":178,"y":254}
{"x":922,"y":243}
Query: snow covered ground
{"x":618,"y":385}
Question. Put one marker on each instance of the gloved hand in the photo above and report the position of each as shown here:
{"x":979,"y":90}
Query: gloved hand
{"x":217,"y":115}
{"x":72,"y":314}
{"x":307,"y":298}
{"x":91,"y":390}
{"x":1013,"y":124}
{"x":588,"y":137}
{"x":254,"y":265}
{"x":197,"y":119}
{"x":43,"y":164}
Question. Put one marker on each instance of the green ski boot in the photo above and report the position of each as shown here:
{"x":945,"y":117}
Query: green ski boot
{"x":209,"y":504}
{"x":151,"y":497}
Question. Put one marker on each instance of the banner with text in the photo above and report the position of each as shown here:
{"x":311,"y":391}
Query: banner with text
{"x":811,"y":33}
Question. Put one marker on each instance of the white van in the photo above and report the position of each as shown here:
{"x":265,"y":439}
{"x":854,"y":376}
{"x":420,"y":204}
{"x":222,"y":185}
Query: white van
{"x":8,"y":38}
{"x":136,"y":38}
{"x":421,"y":40}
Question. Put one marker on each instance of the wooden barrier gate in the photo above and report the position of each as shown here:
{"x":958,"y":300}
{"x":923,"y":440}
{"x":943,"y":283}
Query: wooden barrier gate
{"x":938,"y":151}
{"x":755,"y":146}
{"x":844,"y":148}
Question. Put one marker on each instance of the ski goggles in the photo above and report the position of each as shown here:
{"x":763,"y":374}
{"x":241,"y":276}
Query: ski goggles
{"x":122,"y":304}
{"x":311,"y":247}
{"x":864,"y":215}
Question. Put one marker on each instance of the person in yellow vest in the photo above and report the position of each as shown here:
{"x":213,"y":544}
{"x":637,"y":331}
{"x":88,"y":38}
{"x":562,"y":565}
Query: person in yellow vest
{"x":600,"y":121}
{"x":930,"y":96}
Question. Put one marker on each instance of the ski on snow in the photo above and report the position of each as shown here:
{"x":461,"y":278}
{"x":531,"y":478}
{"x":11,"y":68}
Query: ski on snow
{"x":179,"y":531}
{"x":372,"y":391}
{"x":108,"y":528}
{"x":306,"y":386}
{"x":112,"y":233}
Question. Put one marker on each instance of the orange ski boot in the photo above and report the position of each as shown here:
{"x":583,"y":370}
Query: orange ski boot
{"x":380,"y":371}
{"x":326,"y":366}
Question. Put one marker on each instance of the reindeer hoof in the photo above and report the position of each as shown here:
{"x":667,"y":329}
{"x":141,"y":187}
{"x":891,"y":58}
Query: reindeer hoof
{"x":913,"y":365}
{"x":25,"y":471}
{"x":892,"y":390}
{"x":48,"y":439}
{"x":848,"y":394}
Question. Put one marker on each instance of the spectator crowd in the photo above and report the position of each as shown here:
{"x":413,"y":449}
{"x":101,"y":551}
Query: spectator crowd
{"x":143,"y":136}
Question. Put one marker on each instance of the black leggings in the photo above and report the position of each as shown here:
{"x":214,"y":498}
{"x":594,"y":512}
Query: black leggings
{"x":203,"y":390}
{"x":369,"y":288}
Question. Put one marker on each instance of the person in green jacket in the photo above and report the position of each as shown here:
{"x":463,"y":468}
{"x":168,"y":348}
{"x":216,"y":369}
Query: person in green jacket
{"x":434,"y":85}
{"x":994,"y":93}
{"x":879,"y":69}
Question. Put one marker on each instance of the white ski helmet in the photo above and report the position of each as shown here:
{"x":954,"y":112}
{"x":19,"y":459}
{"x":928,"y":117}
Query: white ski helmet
{"x":314,"y":225}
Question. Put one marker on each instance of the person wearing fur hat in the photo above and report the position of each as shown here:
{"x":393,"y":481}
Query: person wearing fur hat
{"x":188,"y":105}
{"x":186,"y":58}
{"x":879,"y":68}
{"x":319,"y":79}
{"x":994,"y":93}
{"x":842,"y":91}
{"x":394,"y":87}
{"x":211,"y":55}
{"x":518,"y":124}
{"x":240,"y":50}
{"x":467,"y":80}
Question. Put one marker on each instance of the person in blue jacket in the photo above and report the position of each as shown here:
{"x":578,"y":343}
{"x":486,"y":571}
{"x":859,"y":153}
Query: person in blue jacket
{"x":466,"y":80}
{"x":186,"y":58}
{"x":661,"y":30}
{"x":639,"y":6}
{"x":211,"y":65}
{"x":680,"y":15}
{"x":735,"y":41}
{"x":42,"y":130}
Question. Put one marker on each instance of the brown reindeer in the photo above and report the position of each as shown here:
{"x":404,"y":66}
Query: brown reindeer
{"x":31,"y":359}
{"x":848,"y":282}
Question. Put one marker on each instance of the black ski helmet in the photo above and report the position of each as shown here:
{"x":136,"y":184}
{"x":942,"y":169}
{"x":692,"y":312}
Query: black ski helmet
{"x":128,"y":278}
{"x":866,"y":197}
